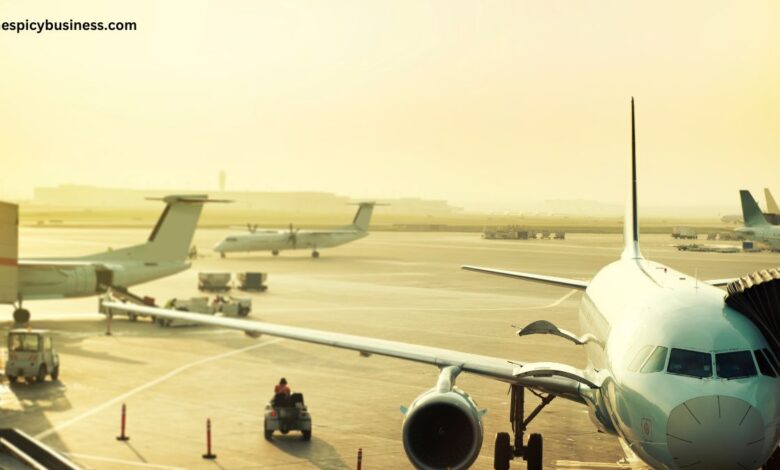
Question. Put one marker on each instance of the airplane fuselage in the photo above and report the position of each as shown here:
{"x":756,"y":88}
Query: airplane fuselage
{"x":50,"y":280}
{"x":672,"y":410}
{"x":282,"y":241}
{"x":768,"y":235}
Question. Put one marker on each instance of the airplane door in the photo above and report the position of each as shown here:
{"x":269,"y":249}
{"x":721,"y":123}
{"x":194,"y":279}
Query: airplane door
{"x":104,"y":279}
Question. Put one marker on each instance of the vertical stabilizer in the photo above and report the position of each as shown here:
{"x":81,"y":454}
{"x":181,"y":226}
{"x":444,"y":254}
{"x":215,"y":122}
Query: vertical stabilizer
{"x":750,"y":210}
{"x":171,"y":237}
{"x":9,"y":252}
{"x":771,"y":205}
{"x":630,"y":221}
{"x":363,"y":216}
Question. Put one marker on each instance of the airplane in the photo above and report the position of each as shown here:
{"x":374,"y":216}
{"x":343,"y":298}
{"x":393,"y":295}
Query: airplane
{"x":681,"y":375}
{"x":163,"y":254}
{"x":277,"y":240}
{"x":756,"y":226}
{"x":772,"y":211}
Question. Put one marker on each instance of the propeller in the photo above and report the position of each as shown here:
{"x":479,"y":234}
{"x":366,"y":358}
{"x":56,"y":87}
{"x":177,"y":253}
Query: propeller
{"x":293,"y":236}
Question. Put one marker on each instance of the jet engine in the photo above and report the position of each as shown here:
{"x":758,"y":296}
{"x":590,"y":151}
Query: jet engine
{"x":443,"y":427}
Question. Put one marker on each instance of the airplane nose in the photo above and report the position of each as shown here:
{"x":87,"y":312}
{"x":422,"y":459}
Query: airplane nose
{"x":715,"y":432}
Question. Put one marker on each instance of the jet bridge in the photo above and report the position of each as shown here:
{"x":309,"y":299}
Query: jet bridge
{"x":757,"y":296}
{"x":30,"y":453}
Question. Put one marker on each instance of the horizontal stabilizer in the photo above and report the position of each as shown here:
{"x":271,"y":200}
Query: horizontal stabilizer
{"x":551,"y":280}
{"x":719,"y":282}
{"x":544,"y":327}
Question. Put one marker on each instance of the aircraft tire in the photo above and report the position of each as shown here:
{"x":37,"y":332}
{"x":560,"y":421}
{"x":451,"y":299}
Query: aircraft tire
{"x":21,"y":315}
{"x":503,"y":452}
{"x":534,"y":452}
{"x":275,"y":252}
{"x":41,"y":373}
{"x":306,"y":435}
{"x":11,"y":378}
{"x":55,"y":373}
{"x":315,"y":254}
{"x":221,"y":254}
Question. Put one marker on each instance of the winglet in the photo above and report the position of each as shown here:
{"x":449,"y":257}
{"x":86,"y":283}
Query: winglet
{"x":630,"y":221}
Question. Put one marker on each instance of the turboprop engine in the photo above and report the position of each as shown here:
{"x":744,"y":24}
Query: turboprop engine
{"x":443,"y":426}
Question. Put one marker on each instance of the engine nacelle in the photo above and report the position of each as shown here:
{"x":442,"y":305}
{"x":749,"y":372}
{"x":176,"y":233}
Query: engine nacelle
{"x":443,"y":429}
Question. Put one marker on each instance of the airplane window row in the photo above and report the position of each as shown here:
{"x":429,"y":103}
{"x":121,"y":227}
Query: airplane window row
{"x":728,"y":365}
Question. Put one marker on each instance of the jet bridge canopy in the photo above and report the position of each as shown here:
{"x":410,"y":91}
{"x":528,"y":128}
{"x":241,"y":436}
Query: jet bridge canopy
{"x":757,"y":296}
{"x":9,"y":252}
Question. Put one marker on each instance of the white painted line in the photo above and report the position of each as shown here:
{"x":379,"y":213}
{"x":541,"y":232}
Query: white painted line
{"x":580,"y":465}
{"x":123,"y":462}
{"x":147,"y":385}
{"x":554,"y":304}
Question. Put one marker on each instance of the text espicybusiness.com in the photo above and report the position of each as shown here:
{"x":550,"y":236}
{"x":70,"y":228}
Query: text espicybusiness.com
{"x":70,"y":25}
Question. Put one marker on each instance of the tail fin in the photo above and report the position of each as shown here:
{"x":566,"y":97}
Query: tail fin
{"x":630,"y":221}
{"x":363,"y":215}
{"x":750,"y":210}
{"x":771,"y":205}
{"x":171,"y":237}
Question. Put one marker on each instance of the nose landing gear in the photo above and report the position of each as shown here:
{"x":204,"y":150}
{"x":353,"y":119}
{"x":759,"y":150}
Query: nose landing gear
{"x":532,"y":452}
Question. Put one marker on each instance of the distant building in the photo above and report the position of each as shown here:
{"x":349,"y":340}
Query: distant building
{"x":94,"y":197}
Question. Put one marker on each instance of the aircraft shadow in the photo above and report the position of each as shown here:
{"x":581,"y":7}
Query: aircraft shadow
{"x":318,"y":452}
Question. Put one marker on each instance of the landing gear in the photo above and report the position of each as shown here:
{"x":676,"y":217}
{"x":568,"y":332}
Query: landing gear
{"x":21,"y":315}
{"x":531,"y":453}
{"x":275,"y":252}
{"x":315,"y":254}
{"x":222,"y":254}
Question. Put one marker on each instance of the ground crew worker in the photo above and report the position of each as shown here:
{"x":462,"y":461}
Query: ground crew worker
{"x":282,"y":387}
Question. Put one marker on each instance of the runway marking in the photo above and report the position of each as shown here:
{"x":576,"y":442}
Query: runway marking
{"x":141,"y":388}
{"x":123,"y":462}
{"x":554,"y":304}
{"x":576,"y":464}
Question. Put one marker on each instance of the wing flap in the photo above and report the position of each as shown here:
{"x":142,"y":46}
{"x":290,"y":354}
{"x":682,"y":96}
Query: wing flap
{"x":541,"y":278}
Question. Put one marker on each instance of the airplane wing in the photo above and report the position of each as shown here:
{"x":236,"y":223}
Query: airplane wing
{"x":551,"y":280}
{"x":55,"y":263}
{"x":559,"y":379}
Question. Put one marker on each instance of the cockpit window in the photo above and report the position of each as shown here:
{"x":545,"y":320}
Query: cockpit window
{"x":690,"y":363}
{"x":656,"y":362}
{"x":735,"y":365}
{"x":640,"y":358}
{"x":231,"y":239}
{"x":763,"y":364}
{"x":772,"y":358}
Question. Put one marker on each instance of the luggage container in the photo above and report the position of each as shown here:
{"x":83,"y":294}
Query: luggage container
{"x":252,"y":281}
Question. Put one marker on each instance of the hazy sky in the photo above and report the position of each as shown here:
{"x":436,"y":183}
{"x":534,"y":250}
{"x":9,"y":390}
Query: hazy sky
{"x":475,"y":101}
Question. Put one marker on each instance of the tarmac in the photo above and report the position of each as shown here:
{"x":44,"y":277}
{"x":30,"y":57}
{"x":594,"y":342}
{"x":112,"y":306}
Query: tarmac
{"x":399,"y":286}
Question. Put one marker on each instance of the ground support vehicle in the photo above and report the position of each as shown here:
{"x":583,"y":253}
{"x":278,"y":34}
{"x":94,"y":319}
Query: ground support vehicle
{"x":287,"y":413}
{"x":31,"y":354}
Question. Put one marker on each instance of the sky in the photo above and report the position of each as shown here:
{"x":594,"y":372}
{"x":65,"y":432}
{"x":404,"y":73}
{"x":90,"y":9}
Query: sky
{"x":482,"y":103}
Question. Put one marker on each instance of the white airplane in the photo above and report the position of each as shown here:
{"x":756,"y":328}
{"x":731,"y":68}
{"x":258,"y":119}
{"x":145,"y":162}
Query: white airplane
{"x":684,"y":378}
{"x":756,"y":226}
{"x":164,"y":253}
{"x":277,"y":240}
